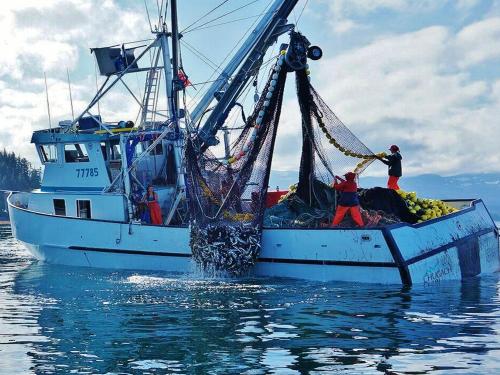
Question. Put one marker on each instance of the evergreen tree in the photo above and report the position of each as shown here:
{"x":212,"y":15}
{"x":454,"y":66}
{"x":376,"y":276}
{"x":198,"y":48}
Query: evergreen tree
{"x":16,"y":173}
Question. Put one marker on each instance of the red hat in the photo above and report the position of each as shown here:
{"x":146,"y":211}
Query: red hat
{"x":394,"y":148}
{"x":350,"y":176}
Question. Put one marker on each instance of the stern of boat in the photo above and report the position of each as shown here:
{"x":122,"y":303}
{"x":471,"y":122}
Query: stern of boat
{"x":453,"y":247}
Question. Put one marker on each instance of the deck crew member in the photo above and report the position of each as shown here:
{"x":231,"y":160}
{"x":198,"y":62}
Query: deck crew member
{"x":151,"y":199}
{"x":394,"y":163}
{"x":349,"y":200}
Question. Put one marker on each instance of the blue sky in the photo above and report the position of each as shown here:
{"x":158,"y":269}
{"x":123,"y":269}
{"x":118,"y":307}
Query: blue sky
{"x":421,"y":74}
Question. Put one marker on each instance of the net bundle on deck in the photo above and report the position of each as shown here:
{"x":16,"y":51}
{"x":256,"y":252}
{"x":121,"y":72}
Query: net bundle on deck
{"x":227,"y":197}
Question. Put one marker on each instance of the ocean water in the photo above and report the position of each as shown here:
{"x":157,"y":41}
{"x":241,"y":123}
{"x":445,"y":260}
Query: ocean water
{"x":57,"y":319}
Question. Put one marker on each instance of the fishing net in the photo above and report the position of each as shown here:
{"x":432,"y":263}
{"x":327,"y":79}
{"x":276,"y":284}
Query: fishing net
{"x":329,"y":148}
{"x":227,"y":196}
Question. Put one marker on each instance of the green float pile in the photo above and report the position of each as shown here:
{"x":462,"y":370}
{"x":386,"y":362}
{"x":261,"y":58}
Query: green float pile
{"x":425,"y":209}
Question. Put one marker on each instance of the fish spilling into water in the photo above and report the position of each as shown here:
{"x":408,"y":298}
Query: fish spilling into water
{"x":225,"y":249}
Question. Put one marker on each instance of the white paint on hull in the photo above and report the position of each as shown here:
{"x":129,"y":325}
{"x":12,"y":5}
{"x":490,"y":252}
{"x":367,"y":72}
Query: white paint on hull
{"x":425,"y":253}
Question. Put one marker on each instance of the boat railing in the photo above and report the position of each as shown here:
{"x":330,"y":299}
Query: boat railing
{"x":18,"y":199}
{"x":459,"y":204}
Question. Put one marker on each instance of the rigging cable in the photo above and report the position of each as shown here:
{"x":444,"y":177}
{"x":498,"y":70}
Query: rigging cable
{"x":235,"y":46}
{"x":300,"y":14}
{"x":206,"y":14}
{"x":271,"y":59}
{"x":201,"y":56}
{"x":225,"y":14}
{"x":228,"y":22}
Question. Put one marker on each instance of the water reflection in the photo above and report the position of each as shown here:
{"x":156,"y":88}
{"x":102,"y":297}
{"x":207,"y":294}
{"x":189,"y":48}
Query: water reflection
{"x":60,"y":318}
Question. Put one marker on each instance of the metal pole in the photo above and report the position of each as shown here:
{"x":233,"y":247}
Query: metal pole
{"x":126,"y":176}
{"x":70,"y":96}
{"x":97,"y":87}
{"x":47,"y":96}
{"x":168,"y":71}
{"x":227,"y":146}
{"x":175,"y":54}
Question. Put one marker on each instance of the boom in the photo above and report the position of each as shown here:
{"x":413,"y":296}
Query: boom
{"x":248,"y":58}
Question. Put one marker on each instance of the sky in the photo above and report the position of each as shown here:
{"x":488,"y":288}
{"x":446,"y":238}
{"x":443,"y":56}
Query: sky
{"x":424,"y":75}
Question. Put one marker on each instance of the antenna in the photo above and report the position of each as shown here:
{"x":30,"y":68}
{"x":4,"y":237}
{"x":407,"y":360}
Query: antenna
{"x":149,"y":18}
{"x":48,"y":104}
{"x":97,"y":86}
{"x":159,"y":12}
{"x":70,"y":96}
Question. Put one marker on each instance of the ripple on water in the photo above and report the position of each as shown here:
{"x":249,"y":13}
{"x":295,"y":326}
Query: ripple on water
{"x":56,"y":319}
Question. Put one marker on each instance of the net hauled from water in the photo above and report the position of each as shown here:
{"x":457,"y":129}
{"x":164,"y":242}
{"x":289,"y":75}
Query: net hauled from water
{"x":227,"y":197}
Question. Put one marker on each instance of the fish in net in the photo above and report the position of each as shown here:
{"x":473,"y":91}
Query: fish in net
{"x":227,"y":197}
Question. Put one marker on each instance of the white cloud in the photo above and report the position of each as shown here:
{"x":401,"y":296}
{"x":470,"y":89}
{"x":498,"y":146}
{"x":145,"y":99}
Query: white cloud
{"x":47,"y":35}
{"x":466,"y":4}
{"x":413,"y":89}
{"x":416,"y":90}
{"x":343,"y":26}
{"x":479,"y":42}
{"x":51,"y":36}
{"x":342,"y":14}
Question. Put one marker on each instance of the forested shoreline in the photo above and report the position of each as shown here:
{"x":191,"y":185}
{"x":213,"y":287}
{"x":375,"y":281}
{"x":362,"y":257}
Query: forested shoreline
{"x":16,"y":173}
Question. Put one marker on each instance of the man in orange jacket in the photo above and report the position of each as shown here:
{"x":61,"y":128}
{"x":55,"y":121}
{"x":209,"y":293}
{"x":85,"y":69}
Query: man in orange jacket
{"x":349,"y":200}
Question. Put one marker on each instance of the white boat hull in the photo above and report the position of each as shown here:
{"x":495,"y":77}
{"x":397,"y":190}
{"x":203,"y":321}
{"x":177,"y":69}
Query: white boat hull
{"x":459,"y":245}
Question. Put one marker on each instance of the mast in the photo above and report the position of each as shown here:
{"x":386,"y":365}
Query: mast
{"x":175,"y":58}
{"x":168,"y":69}
{"x":174,"y":114}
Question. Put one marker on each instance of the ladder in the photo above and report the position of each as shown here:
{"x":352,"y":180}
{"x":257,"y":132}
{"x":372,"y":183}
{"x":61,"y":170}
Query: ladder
{"x":150,"y":99}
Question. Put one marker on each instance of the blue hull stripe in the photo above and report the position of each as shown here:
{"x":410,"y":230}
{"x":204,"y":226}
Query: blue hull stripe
{"x":347,"y":263}
{"x":261,"y":260}
{"x":132,"y":252}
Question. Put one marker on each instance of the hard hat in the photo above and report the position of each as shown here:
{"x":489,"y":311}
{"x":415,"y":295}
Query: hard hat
{"x":394,"y":148}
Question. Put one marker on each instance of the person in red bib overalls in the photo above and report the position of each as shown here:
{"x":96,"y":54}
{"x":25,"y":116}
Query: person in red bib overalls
{"x":349,"y":200}
{"x":151,"y":199}
{"x":395,"y":170}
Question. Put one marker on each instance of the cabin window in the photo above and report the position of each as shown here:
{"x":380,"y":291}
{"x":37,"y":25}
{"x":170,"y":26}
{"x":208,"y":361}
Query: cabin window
{"x":76,"y":153}
{"x":83,"y":209}
{"x":104,"y":150}
{"x":48,"y":153}
{"x":115,"y":151}
{"x":139,"y":148}
{"x":60,"y":207}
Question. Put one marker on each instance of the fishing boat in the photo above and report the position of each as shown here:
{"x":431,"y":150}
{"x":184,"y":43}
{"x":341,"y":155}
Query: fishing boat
{"x":88,"y":210}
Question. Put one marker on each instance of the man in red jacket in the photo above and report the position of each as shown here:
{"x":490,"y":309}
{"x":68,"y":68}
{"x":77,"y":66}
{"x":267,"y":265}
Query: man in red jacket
{"x":349,"y":200}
